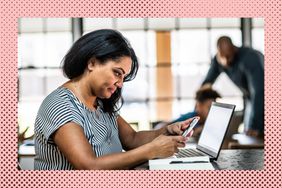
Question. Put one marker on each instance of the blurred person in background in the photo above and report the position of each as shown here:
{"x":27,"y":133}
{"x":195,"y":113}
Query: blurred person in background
{"x":245,"y":67}
{"x":204,"y":98}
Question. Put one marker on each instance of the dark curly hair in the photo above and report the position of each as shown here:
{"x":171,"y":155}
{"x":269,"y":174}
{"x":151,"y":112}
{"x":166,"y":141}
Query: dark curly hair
{"x":206,"y":93}
{"x":103,"y":45}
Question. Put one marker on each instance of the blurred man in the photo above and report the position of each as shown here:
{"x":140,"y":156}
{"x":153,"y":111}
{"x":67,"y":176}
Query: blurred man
{"x":245,"y":67}
{"x":204,"y":98}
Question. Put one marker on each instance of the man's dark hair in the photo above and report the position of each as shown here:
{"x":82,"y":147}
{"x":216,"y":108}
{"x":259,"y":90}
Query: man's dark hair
{"x":206,"y":93}
{"x":225,"y":39}
{"x":103,"y":45}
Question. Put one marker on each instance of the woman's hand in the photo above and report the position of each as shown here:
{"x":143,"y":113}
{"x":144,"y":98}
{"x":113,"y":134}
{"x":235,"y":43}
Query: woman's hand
{"x":179,"y":127}
{"x":165,"y":146}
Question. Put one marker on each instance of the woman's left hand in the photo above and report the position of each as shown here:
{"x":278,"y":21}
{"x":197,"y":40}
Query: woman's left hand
{"x":179,"y":127}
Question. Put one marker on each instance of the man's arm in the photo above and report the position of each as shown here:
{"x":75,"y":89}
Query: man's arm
{"x":213,"y":72}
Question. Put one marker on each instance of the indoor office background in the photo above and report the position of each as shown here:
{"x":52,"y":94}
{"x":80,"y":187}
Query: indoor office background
{"x":167,"y":79}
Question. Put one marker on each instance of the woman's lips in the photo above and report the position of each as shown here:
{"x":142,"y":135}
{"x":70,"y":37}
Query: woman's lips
{"x":112,"y":90}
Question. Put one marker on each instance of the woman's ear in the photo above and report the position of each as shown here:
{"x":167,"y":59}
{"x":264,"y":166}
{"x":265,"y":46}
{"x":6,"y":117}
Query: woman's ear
{"x":91,"y":64}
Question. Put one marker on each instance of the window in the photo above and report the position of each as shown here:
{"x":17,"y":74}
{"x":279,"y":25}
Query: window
{"x":193,"y":44}
{"x":258,"y":34}
{"x":192,"y":50}
{"x":39,"y":58}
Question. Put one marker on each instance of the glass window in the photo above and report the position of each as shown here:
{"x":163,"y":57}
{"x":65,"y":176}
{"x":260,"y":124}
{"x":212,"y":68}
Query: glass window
{"x":144,"y":45}
{"x":258,"y":39}
{"x":143,"y":42}
{"x":193,"y":43}
{"x":190,"y":46}
{"x":34,"y":86}
{"x":138,"y":41}
{"x":152,"y":93}
{"x":192,"y":50}
{"x":164,"y":82}
{"x":184,"y":106}
{"x":130,"y":23}
{"x":225,"y":22}
{"x":189,"y":80}
{"x":39,"y":58}
{"x":136,"y":112}
{"x":58,"y":24}
{"x":31,"y":83}
{"x":138,"y":88}
{"x":30,"y":25}
{"x":90,"y":24}
{"x":151,"y":48}
{"x":173,"y":107}
{"x":161,"y":23}
{"x":27,"y":111}
{"x":53,"y":54}
{"x":54,"y":79}
{"x":258,"y":22}
{"x":161,"y":110}
{"x":190,"y":23}
{"x":31,"y":50}
{"x":38,"y":48}
{"x":258,"y":34}
{"x":39,"y":82}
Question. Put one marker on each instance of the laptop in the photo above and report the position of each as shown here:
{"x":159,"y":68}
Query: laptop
{"x":213,"y":133}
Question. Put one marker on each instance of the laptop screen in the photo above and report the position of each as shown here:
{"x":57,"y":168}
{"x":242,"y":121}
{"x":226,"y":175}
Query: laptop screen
{"x":216,"y":126}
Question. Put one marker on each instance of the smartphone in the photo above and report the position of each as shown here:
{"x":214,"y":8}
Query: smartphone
{"x":191,"y":126}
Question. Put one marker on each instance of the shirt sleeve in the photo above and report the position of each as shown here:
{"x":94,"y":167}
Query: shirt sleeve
{"x":213,"y":72}
{"x":184,"y":117}
{"x":56,"y":112}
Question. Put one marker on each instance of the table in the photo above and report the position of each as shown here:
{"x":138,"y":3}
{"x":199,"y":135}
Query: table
{"x":229,"y":159}
{"x":26,"y":155}
{"x":240,"y":159}
{"x":233,"y":159}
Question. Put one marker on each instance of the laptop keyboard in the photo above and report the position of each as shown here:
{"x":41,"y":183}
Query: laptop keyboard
{"x":189,"y":153}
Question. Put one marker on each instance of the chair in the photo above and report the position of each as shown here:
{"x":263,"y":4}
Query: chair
{"x":236,"y":120}
{"x":242,"y":141}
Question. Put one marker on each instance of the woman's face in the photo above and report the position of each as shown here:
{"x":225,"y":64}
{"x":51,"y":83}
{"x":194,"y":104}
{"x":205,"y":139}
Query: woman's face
{"x":105,"y":78}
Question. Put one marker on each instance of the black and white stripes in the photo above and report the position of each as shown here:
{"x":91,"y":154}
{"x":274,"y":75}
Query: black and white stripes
{"x":61,"y":107}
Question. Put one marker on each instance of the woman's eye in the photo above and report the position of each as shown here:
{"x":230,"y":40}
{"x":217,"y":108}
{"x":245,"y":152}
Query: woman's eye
{"x":118,"y":73}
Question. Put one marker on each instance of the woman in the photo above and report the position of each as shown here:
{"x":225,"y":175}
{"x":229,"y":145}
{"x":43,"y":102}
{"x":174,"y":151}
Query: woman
{"x":78,"y":125}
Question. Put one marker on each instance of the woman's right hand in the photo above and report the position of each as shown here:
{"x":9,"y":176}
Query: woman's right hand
{"x":165,"y":146}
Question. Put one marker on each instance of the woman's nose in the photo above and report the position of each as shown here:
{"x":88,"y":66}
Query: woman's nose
{"x":119,"y":84}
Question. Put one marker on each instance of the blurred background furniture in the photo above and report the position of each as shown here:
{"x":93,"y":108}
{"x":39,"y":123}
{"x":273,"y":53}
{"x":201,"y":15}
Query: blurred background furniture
{"x":26,"y":155}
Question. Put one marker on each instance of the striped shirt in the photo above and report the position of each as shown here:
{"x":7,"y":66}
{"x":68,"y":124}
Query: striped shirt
{"x":61,"y":107}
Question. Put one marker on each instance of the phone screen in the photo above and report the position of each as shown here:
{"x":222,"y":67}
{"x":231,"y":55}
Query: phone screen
{"x":191,"y":126}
